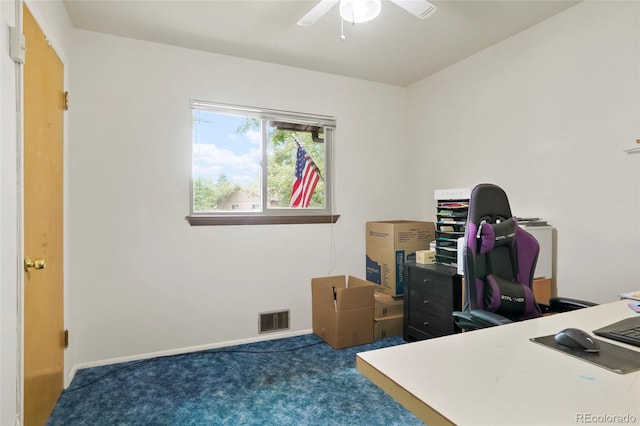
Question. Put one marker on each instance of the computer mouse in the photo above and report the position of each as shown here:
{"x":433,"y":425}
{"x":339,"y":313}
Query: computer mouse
{"x":577,"y":339}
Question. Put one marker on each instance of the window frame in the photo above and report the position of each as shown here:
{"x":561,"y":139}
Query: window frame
{"x":268,"y":215}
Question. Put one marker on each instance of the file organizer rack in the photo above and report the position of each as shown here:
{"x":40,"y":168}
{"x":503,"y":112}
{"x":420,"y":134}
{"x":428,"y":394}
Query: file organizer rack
{"x":451,"y":221}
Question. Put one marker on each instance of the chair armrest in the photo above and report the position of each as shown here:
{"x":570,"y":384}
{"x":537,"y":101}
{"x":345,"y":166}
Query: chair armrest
{"x":490,"y":319}
{"x":478,"y":319}
{"x":565,"y":304}
{"x":464,"y":320}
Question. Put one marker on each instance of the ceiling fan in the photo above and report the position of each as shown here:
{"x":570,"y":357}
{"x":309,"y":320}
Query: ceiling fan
{"x":357,"y":11}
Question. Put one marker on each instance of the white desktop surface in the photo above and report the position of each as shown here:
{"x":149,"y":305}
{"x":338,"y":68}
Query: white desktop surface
{"x":496,"y":376}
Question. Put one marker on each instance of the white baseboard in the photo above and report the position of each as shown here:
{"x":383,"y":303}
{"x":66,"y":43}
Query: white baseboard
{"x":180,"y":351}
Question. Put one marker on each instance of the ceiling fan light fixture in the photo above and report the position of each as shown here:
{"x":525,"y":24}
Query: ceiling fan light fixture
{"x":358,"y":11}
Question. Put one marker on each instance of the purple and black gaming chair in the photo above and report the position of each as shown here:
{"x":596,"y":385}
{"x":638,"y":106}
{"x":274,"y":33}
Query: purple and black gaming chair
{"x":499,"y":264}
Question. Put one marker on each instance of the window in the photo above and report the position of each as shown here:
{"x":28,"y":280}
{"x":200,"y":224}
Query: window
{"x":259,"y":166}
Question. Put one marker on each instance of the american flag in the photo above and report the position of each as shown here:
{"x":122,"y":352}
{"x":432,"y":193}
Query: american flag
{"x":307,"y":177}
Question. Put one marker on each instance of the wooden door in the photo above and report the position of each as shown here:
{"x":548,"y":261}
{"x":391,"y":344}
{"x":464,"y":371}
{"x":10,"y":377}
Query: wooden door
{"x":43,"y":278}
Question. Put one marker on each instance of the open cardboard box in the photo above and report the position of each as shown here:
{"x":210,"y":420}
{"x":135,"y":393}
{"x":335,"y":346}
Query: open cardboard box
{"x":342,"y":310}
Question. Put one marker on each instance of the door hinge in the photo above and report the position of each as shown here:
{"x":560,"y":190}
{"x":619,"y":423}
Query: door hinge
{"x":66,"y":101}
{"x":17,"y":46}
{"x":66,"y":339}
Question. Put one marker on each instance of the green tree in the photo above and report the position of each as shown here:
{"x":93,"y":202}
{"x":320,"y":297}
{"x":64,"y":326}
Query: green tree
{"x":282,"y":162}
{"x":209,"y":195}
{"x":203,"y":195}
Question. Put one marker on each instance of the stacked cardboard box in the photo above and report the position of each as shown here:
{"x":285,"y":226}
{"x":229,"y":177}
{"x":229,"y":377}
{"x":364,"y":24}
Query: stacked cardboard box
{"x":342,"y":310}
{"x":426,"y":257}
{"x":542,"y":290}
{"x":389,"y":245}
{"x":387,"y":315}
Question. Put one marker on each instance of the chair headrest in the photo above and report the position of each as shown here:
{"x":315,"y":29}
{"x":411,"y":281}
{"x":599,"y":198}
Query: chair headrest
{"x":488,"y":201}
{"x":496,"y":234}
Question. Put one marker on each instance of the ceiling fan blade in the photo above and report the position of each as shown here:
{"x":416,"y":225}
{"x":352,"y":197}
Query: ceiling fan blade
{"x":420,"y":8}
{"x":317,"y":12}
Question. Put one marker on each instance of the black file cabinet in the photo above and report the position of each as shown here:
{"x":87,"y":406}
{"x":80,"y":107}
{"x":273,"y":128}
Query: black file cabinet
{"x":432,"y":293}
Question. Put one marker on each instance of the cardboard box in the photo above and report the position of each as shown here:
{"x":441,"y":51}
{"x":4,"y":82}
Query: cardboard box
{"x":542,"y":290}
{"x":389,"y":245}
{"x":342,"y":310}
{"x":426,"y":257}
{"x":387,"y":327}
{"x":387,"y":306}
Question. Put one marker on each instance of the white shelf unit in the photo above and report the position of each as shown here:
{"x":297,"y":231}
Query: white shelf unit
{"x":451,"y":222}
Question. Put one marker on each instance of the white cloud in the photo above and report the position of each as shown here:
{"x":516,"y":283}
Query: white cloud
{"x":210,"y":162}
{"x":255,"y":136}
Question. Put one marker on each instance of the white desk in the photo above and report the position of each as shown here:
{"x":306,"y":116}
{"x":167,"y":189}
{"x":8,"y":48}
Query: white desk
{"x":496,"y":376}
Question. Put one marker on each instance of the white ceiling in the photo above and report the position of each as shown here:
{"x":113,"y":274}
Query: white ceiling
{"x":396,"y":48}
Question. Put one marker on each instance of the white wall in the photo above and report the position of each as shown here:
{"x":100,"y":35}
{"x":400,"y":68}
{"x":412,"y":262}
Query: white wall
{"x":142,"y":280}
{"x":546,"y":115}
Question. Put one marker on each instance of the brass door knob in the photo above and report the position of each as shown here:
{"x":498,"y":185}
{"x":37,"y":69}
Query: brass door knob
{"x":34,"y":263}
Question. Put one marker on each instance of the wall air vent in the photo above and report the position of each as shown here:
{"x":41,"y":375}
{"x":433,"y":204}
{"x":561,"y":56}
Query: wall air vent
{"x":273,"y":321}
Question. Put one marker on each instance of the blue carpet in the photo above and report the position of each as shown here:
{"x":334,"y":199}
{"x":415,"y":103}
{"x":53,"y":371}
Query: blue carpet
{"x":292,"y":381}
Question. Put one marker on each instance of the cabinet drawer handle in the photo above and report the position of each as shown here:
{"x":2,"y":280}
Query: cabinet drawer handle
{"x":426,"y":280}
{"x":425,"y":301}
{"x":426,"y":323}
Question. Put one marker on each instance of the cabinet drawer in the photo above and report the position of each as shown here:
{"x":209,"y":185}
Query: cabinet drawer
{"x":429,"y":280}
{"x":433,"y":297}
{"x":411,"y":334}
{"x":432,"y":324}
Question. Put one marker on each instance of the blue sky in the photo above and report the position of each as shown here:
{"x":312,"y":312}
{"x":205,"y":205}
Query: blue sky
{"x":218,"y":149}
